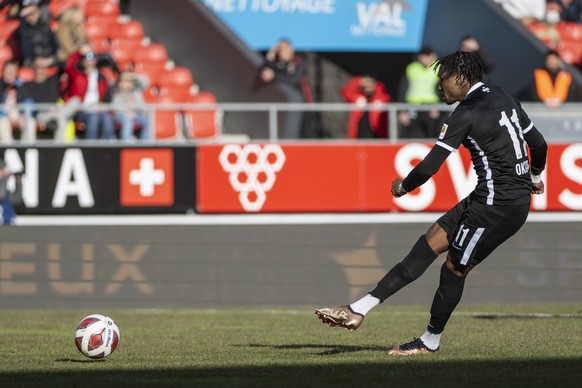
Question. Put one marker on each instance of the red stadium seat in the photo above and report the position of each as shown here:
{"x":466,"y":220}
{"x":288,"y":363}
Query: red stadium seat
{"x":151,"y":95}
{"x":122,"y":55}
{"x":102,"y":8}
{"x":127,"y":44}
{"x":128,"y":30}
{"x":56,"y":8}
{"x":104,"y":20}
{"x":203,"y":123}
{"x":7,"y":27}
{"x":151,"y":70}
{"x":176,"y":82}
{"x":178,"y":76}
{"x":180,"y":93}
{"x":570,"y":31}
{"x":25,"y":74}
{"x":154,"y":52}
{"x":5,"y":53}
{"x":166,"y":122}
{"x":100,"y":45}
{"x":96,"y":31}
{"x":571,"y":52}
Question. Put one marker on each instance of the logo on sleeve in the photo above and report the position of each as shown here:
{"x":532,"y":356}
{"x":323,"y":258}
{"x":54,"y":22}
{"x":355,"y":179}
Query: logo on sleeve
{"x":443,"y":131}
{"x":147,"y":177}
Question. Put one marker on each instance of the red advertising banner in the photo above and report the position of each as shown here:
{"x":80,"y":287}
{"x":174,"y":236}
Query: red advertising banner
{"x":240,"y":178}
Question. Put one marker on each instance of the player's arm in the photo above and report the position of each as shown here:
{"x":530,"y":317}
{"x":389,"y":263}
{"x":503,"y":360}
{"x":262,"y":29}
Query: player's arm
{"x":421,"y":172}
{"x":538,"y":153}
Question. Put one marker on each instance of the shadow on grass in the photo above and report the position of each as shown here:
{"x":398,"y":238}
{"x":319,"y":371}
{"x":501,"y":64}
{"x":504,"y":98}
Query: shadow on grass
{"x":401,"y":372}
{"x":526,"y":316}
{"x":327,"y":350}
{"x":79,"y":361}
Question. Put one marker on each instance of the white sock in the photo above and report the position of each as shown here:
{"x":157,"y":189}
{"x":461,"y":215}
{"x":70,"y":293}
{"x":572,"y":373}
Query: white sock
{"x":432,"y":341}
{"x":365,"y":304}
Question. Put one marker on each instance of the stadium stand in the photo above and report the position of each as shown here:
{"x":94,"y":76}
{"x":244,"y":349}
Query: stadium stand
{"x":125,"y":39}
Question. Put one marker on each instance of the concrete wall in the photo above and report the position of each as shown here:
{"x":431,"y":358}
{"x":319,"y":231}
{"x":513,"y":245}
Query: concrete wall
{"x":264,"y":265}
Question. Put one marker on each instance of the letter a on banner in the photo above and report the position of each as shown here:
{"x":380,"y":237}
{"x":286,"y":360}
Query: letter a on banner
{"x":73,"y":180}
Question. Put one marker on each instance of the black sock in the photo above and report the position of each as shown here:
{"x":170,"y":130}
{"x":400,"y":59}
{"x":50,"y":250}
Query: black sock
{"x":408,"y":270}
{"x":445,"y":300}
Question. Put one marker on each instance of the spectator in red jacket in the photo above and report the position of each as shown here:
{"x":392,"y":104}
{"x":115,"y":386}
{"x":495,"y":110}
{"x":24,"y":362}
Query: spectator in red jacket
{"x":86,"y":82}
{"x":363,"y":123}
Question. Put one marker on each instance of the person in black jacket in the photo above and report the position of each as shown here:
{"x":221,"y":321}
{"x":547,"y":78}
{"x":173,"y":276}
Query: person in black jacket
{"x":285,"y":67}
{"x":35,"y":37}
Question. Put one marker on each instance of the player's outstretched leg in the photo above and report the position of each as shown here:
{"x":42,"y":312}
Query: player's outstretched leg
{"x":412,"y":266}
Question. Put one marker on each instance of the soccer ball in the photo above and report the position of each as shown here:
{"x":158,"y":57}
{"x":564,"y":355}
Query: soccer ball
{"x":97,"y":336}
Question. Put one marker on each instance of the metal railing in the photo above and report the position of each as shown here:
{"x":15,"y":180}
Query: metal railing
{"x":557,"y":124}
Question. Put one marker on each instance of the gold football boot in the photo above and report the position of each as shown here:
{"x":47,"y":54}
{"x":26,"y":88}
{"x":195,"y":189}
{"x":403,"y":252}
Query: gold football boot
{"x":340,"y":316}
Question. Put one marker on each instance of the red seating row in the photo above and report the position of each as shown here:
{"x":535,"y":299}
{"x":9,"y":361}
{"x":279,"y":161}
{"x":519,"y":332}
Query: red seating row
{"x":198,"y":123}
{"x":564,"y":37}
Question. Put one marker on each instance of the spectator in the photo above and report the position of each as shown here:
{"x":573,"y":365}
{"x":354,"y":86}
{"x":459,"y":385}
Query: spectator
{"x":419,"y":85}
{"x":17,"y":5}
{"x":70,"y":33}
{"x":471,"y":44}
{"x":569,"y":10}
{"x":552,"y":84}
{"x":44,"y":89}
{"x":9,"y":199}
{"x":85,"y":81}
{"x":363,"y":123}
{"x":11,"y":118}
{"x":284,"y":66}
{"x":127,"y":98}
{"x":35,"y":37}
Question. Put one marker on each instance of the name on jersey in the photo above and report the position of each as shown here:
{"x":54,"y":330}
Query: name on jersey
{"x":522,"y":168}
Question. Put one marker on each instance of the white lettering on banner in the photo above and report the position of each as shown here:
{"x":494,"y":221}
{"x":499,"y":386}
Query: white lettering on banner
{"x":380,"y":19}
{"x":30,"y":176}
{"x":252,"y":171}
{"x":572,"y":171}
{"x":403,"y":164}
{"x":463,"y":181}
{"x":73,"y":180}
{"x":224,"y":5}
{"x":273,"y":6}
{"x":147,"y":177}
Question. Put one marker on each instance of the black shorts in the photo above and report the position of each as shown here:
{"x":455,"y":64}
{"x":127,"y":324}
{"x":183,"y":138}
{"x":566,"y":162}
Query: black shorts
{"x":474,"y":229}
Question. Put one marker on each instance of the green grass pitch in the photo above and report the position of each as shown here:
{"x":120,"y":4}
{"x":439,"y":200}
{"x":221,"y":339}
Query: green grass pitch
{"x":483,"y":346}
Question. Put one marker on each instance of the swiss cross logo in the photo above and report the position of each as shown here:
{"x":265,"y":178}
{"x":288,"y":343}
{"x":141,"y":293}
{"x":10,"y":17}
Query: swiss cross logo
{"x":252,"y":171}
{"x":147,"y":177}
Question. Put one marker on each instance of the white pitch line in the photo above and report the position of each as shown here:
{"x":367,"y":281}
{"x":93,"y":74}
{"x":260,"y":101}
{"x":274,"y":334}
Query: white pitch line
{"x":265,"y":219}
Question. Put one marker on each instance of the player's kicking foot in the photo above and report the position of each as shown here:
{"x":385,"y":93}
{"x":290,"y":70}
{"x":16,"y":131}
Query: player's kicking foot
{"x":340,"y":316}
{"x":415,"y":346}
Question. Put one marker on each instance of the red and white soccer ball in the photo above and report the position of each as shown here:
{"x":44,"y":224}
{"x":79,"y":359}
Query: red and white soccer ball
{"x":97,"y":336}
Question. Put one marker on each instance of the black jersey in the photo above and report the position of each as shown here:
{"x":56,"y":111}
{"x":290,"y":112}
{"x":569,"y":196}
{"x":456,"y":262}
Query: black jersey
{"x":491,"y":124}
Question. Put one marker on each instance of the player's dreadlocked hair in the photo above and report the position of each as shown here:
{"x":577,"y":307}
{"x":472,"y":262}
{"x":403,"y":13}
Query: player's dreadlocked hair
{"x":464,"y":64}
